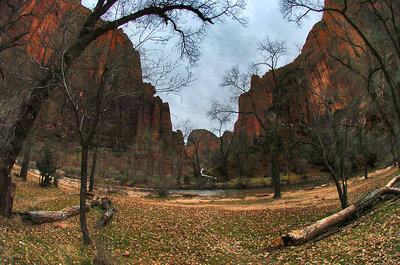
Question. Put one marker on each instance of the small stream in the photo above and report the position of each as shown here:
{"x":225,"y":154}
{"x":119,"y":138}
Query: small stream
{"x":231,"y":193}
{"x":240,"y":193}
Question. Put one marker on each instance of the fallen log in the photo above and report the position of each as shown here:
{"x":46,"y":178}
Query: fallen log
{"x":393,"y":182}
{"x":108,"y":206}
{"x":297,"y":237}
{"x":40,"y":217}
{"x":106,"y":218}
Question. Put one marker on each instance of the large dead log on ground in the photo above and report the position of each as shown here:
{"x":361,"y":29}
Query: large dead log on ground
{"x":40,"y":217}
{"x":297,"y":237}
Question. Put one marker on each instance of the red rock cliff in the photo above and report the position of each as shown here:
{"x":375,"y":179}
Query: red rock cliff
{"x":131,"y":116}
{"x":323,"y":72}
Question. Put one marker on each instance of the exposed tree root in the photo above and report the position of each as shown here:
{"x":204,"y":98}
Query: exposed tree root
{"x":297,"y":237}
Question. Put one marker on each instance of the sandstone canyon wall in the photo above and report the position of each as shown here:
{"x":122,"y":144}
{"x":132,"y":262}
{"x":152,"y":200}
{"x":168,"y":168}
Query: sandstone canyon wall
{"x":319,"y":69}
{"x":139,"y":114}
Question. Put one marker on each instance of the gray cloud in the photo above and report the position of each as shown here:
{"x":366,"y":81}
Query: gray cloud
{"x":230,"y":44}
{"x":227,"y":45}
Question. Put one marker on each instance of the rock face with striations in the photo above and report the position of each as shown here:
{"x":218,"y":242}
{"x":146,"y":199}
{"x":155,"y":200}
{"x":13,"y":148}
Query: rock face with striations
{"x":319,"y":69}
{"x":138,"y":113}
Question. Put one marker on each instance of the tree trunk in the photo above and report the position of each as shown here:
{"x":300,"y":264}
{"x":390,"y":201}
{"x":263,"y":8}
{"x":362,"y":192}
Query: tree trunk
{"x":343,"y":168}
{"x":364,"y":153}
{"x":12,"y":145}
{"x":342,"y":197}
{"x":341,"y":192}
{"x":82,"y":197}
{"x":7,"y":193}
{"x":27,"y":156}
{"x":298,"y":237}
{"x":196,"y":169}
{"x":93,"y":170}
{"x":276,"y":178}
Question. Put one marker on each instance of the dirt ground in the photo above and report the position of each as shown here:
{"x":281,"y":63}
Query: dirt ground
{"x":312,"y":196}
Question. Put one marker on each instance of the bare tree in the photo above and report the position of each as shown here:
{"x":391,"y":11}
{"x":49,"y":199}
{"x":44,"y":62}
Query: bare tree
{"x":87,"y":113}
{"x":194,"y":140}
{"x":193,"y":145}
{"x":207,"y":12}
{"x":13,"y":21}
{"x":221,"y":120}
{"x":271,"y":52}
{"x":239,"y":151}
{"x":328,"y":133}
{"x":270,"y":120}
{"x":186,"y":127}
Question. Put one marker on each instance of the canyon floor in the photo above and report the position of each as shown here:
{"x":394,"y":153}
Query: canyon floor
{"x":202,"y":230}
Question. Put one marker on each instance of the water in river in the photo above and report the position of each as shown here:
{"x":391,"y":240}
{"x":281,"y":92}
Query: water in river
{"x":237,"y":193}
{"x":224,"y":192}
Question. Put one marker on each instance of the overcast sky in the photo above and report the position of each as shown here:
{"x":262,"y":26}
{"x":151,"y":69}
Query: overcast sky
{"x":227,"y":45}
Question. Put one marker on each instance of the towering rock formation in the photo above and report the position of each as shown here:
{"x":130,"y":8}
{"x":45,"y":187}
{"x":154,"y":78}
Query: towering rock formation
{"x":320,"y":69}
{"x":49,"y":25}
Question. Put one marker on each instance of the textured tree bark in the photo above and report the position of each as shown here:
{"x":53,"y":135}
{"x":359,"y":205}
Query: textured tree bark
{"x":12,"y":145}
{"x":82,"y":196}
{"x":297,"y":237}
{"x":93,"y":170}
{"x":27,"y":156}
{"x":7,"y":193}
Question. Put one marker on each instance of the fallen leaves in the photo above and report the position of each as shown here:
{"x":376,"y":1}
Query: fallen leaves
{"x":151,"y":233}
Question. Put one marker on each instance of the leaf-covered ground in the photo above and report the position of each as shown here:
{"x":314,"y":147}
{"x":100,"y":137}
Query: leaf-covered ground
{"x":157,"y":231}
